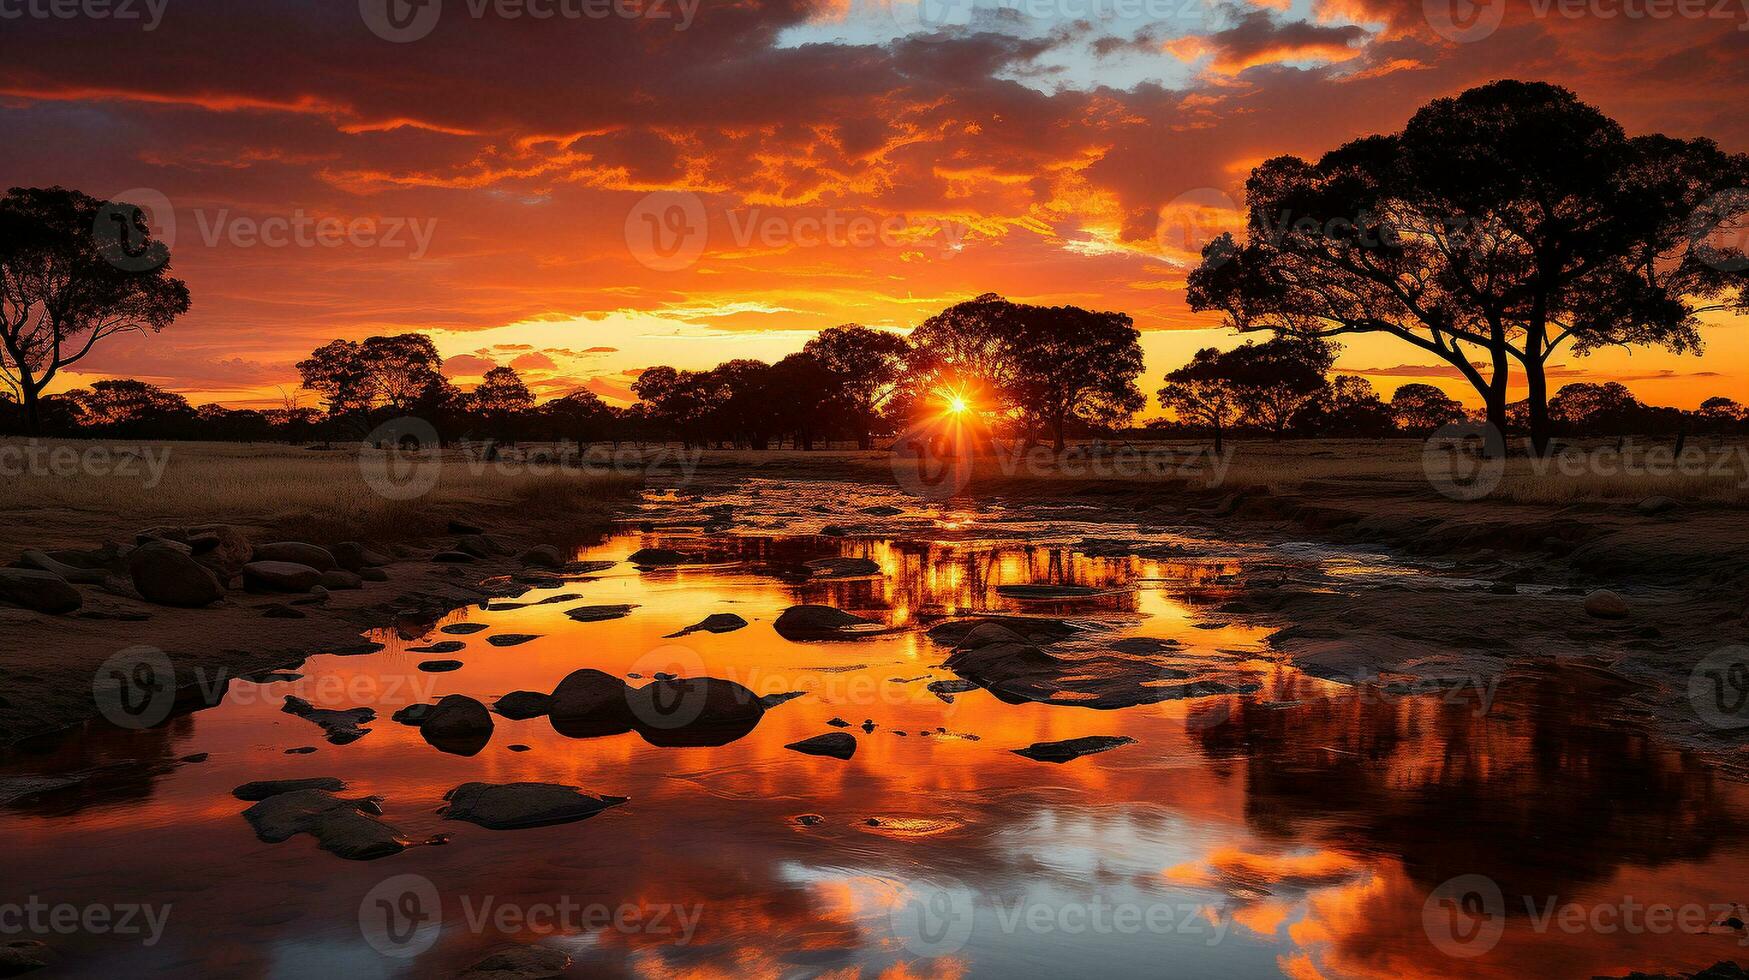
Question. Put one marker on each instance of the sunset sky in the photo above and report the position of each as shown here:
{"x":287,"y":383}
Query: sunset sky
{"x":1026,"y":148}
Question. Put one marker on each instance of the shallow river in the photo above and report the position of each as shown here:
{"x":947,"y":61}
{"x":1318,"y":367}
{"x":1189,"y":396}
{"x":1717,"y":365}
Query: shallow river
{"x":1304,"y":829}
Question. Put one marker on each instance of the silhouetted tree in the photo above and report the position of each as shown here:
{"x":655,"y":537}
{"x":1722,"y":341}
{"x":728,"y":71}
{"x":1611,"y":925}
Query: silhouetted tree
{"x":1205,"y":393}
{"x":501,"y":399}
{"x":73,"y":271}
{"x":867,"y":366}
{"x":133,"y":409}
{"x":1508,"y":222}
{"x":1421,"y":408}
{"x":1276,"y":380}
{"x":1348,"y":407}
{"x":1596,"y":409}
{"x":1071,"y":364}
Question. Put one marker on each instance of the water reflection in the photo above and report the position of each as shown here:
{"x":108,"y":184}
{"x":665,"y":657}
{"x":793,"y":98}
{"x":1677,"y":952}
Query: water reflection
{"x":1296,"y":829}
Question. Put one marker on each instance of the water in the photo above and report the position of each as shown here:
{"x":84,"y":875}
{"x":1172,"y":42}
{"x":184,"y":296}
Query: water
{"x":1300,"y":830}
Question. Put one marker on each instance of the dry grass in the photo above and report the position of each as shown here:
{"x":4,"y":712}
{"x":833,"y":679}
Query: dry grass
{"x":64,"y":492}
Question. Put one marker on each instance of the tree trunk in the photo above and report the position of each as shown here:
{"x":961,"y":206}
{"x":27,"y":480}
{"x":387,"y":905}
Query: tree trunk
{"x":1219,"y":445}
{"x":32,"y":417}
{"x":1538,"y":403}
{"x":1057,"y":427}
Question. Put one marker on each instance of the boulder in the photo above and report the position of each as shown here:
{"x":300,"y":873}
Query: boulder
{"x":1604,"y":604}
{"x":43,"y":592}
{"x":343,"y":726}
{"x":479,"y":545}
{"x":463,"y":527}
{"x":298,"y":553}
{"x":518,"y":705}
{"x":812,"y":622}
{"x":348,"y":828}
{"x":456,"y":716}
{"x":440,"y":666}
{"x":520,"y":962}
{"x":882,"y":510}
{"x":453,"y":558}
{"x":280,"y":576}
{"x":373,"y":575}
{"x":1073,"y":748}
{"x":513,"y":806}
{"x":228,"y":553}
{"x":972,"y":633}
{"x":843,"y":567}
{"x":589,"y":702}
{"x":714,"y":623}
{"x":836,"y":745}
{"x":596,"y":614}
{"x":511,"y":639}
{"x":659,"y":557}
{"x":542,"y":556}
{"x":1018,"y":673}
{"x":340,"y":580}
{"x":693,"y":711}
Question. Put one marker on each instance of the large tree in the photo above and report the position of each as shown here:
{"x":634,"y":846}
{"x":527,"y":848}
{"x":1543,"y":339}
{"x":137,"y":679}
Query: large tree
{"x":1421,"y":408}
{"x":74,"y":270}
{"x":1278,"y":379}
{"x":867,"y":366}
{"x":1498,"y":228}
{"x":1205,"y":393}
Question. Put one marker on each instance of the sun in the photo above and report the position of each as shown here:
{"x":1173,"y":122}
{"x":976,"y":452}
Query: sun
{"x":957,"y":405}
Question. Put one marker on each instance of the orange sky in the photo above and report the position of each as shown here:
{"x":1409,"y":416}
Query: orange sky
{"x":852,"y":161}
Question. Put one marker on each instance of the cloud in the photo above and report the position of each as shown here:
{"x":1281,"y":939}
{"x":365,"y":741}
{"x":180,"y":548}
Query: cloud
{"x":467,"y":366}
{"x":534,"y":362}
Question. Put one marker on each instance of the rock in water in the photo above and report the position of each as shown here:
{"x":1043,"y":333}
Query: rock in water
{"x":511,"y":639}
{"x":1073,"y":748}
{"x":513,"y":806}
{"x":457,"y":717}
{"x":1605,"y":604}
{"x":342,"y":726}
{"x":280,"y":576}
{"x":1048,"y":593}
{"x":693,"y":711}
{"x":297,"y":553}
{"x":597,"y":614}
{"x":588,"y":703}
{"x":264,"y":788}
{"x":659,"y":558}
{"x":348,"y":828}
{"x":714,"y":623}
{"x":811,"y":622}
{"x":440,"y":666}
{"x":44,"y":592}
{"x":170,"y":577}
{"x":518,"y":705}
{"x":340,"y":580}
{"x":843,"y":567}
{"x":542,"y":556}
{"x":838,"y":745}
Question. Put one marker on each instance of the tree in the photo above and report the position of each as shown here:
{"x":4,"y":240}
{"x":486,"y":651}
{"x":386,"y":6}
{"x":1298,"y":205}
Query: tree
{"x":1421,"y":408}
{"x":1348,"y":407}
{"x":1074,"y":364}
{"x":337,"y":373}
{"x":1721,"y":413}
{"x":1204,"y":392}
{"x":867,"y":366}
{"x":810,"y":399}
{"x":132,"y":408}
{"x":580,"y":415}
{"x":1507,"y":222}
{"x":399,"y":368}
{"x":1596,"y":409}
{"x":1276,"y":380}
{"x":501,"y":398}
{"x":74,"y":271}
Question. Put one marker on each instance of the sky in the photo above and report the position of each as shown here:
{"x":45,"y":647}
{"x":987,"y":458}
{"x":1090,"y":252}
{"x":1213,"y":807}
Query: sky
{"x":582,"y":189}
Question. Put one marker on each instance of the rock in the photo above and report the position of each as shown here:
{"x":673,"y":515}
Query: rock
{"x":837,"y":745}
{"x":170,"y":577}
{"x":280,"y":576}
{"x":812,"y":622}
{"x":839,"y":723}
{"x":440,"y":666}
{"x":1144,"y":645}
{"x":441,"y":646}
{"x":40,"y":591}
{"x":348,"y":828}
{"x":341,"y":580}
{"x":513,"y":806}
{"x":297,"y":553}
{"x":834,"y":531}
{"x":279,"y":610}
{"x":542,"y":556}
{"x":810,"y":819}
{"x":973,"y":633}
{"x":226,"y":555}
{"x":693,"y":711}
{"x":453,"y":558}
{"x":882,"y":510}
{"x":659,"y":558}
{"x":549,"y":600}
{"x":590,"y":702}
{"x":714,"y":623}
{"x":349,"y":555}
{"x":413,"y":714}
{"x":1604,"y":604}
{"x":262,"y":789}
{"x":519,"y":705}
{"x":1073,"y":748}
{"x":78,"y":575}
{"x":373,"y":575}
{"x":457,"y":716}
{"x":511,"y":639}
{"x":19,"y":956}
{"x":1653,"y":506}
{"x":596,"y":614}
{"x":519,"y":962}
{"x":945,"y":690}
{"x":462,"y":527}
{"x":342,"y":726}
{"x":463,"y":629}
{"x":843,"y":567}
